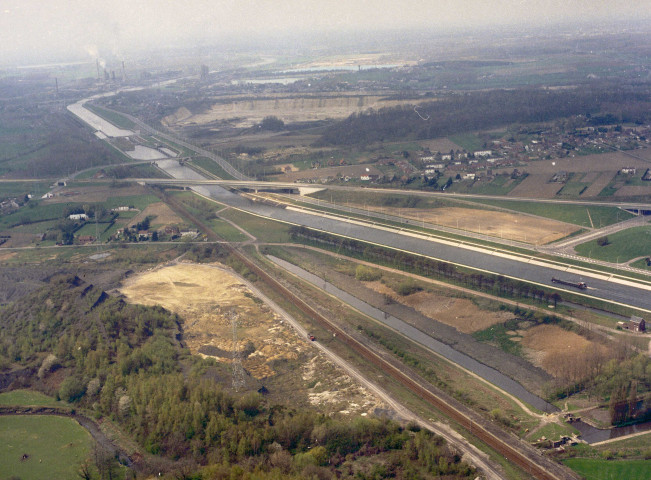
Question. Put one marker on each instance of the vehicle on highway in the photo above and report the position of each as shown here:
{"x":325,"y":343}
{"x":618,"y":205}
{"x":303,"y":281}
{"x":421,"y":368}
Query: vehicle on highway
{"x":581,"y":285}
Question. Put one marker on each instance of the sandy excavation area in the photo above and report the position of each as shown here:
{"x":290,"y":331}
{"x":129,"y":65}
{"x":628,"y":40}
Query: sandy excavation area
{"x":247,"y":112}
{"x":511,"y":226}
{"x":207,"y":297}
{"x":459,"y":313}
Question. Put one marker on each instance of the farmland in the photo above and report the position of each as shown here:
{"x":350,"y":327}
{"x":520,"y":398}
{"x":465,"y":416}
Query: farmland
{"x":28,"y":397}
{"x":55,"y":447}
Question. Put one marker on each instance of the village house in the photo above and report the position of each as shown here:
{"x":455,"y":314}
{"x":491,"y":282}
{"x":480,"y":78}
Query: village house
{"x":483,"y":153}
{"x":85,"y":239}
{"x":635,"y":324}
{"x":368,"y":176}
{"x":78,"y":216}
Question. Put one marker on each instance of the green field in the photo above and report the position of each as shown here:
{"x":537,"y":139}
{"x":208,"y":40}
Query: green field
{"x":598,"y":469}
{"x":39,"y":212}
{"x":573,"y":189}
{"x":212,"y":167}
{"x":55,"y":446}
{"x":623,"y":246}
{"x":226,"y":230}
{"x":641,"y":263}
{"x":467,"y":141}
{"x":28,"y":397}
{"x":263,"y":229}
{"x":552,"y":431}
{"x":112,"y":117}
{"x":105,"y":230}
{"x":43,"y":212}
{"x":14,"y":189}
{"x":575,"y":214}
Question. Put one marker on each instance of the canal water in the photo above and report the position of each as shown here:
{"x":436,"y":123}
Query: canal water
{"x":484,"y":371}
{"x":588,"y":433}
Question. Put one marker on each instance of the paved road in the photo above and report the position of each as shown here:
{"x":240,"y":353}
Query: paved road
{"x":533,"y":272}
{"x":599,"y":285}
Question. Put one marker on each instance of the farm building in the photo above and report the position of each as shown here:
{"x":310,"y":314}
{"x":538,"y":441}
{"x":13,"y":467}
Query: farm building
{"x":85,"y":239}
{"x":78,"y":216}
{"x":635,"y":324}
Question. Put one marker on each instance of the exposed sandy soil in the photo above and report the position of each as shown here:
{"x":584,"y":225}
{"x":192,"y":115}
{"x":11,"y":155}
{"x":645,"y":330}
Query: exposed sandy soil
{"x":459,"y":313}
{"x":559,"y":352}
{"x":523,"y":228}
{"x":95,"y":194}
{"x":244,"y":113}
{"x":164,"y":215}
{"x":7,"y":255}
{"x":207,"y":297}
{"x":339,"y":398}
{"x":356,"y":59}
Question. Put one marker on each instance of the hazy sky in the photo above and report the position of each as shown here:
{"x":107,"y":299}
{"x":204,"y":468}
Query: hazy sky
{"x":42,"y":29}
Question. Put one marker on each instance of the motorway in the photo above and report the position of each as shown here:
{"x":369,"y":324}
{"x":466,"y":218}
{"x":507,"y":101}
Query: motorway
{"x":599,"y":285}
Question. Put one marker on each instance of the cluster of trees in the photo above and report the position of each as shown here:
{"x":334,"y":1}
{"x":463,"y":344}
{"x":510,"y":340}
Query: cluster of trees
{"x":127,"y":362}
{"x":463,"y":112}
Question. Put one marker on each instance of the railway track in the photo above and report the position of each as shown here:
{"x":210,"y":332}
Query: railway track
{"x":521,"y":454}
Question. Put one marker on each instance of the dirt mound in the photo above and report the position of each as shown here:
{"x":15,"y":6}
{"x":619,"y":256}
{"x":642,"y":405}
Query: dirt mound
{"x":561,"y":353}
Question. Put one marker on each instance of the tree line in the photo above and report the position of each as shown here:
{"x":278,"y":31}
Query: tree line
{"x":470,"y":111}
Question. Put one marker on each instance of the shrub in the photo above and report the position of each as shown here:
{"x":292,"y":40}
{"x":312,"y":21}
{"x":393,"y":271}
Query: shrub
{"x":72,"y":388}
{"x":367,"y":274}
{"x":50,"y":363}
{"x":407,"y":287}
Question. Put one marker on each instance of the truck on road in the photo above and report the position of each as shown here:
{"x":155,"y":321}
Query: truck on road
{"x":580,"y":285}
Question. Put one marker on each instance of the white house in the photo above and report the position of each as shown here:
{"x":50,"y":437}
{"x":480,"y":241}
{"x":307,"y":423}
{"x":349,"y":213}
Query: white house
{"x":483,"y":153}
{"x":78,"y":216}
